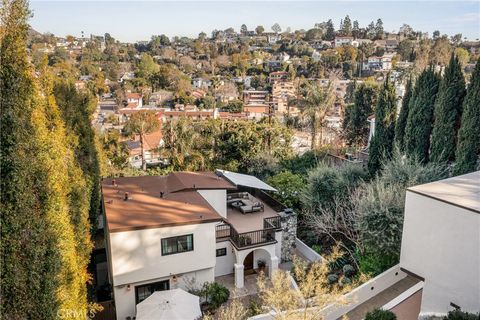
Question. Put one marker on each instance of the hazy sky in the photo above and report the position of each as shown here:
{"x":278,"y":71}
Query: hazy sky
{"x":138,"y":20}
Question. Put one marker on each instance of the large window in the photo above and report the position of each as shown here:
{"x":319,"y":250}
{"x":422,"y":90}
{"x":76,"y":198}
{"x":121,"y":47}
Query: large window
{"x":144,"y":291}
{"x":177,"y":244}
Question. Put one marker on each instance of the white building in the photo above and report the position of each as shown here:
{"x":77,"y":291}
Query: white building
{"x":441,"y":243}
{"x":342,"y":41}
{"x":185,"y":229}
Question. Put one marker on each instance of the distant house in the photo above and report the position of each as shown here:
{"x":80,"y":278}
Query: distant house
{"x":201,"y":83}
{"x":278,"y":76}
{"x":159,"y":97}
{"x":341,"y":41}
{"x":272,"y":37}
{"x":134,"y":100}
{"x":127,"y":76}
{"x":316,"y":56}
{"x":391,"y":45}
{"x":152,"y":142}
{"x":281,"y":93}
{"x":376,"y":63}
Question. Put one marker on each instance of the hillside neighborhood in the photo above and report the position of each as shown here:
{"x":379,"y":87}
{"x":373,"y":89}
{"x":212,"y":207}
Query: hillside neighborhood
{"x":255,"y":172}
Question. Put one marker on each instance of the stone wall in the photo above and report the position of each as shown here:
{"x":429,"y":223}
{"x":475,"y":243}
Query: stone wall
{"x":288,"y":223}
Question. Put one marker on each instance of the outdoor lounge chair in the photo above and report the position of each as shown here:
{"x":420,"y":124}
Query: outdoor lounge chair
{"x":255,"y":207}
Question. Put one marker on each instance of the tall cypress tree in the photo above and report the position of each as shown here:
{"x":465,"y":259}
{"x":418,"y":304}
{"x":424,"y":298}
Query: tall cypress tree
{"x":420,"y":115}
{"x":468,"y":147}
{"x":45,"y":241}
{"x":447,"y":114}
{"x":403,"y":116}
{"x":385,"y":113}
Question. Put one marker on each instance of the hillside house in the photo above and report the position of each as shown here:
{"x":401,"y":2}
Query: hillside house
{"x":167,"y":232}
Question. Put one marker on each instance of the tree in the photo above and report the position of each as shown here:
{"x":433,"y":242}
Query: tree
{"x":401,"y":124}
{"x":347,"y":26}
{"x":436,"y":34}
{"x":146,"y":67}
{"x":468,"y":146}
{"x":385,"y":115}
{"x":441,"y":51}
{"x":330,"y":32}
{"x":276,"y":28}
{"x":379,"y":29}
{"x":289,"y":186}
{"x":243,"y":29}
{"x":355,"y":125}
{"x":259,"y":30}
{"x":45,"y":243}
{"x":356,"y":29}
{"x":379,"y":314}
{"x":234,"y":106}
{"x":316,"y":101}
{"x":371,"y":31}
{"x":447,"y":113}
{"x":463,"y":56}
{"x":142,"y":123}
{"x":420,"y":115}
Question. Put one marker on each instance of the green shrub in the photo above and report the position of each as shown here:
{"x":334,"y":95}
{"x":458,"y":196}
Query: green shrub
{"x":378,"y":314}
{"x":216,"y":294}
{"x":373,"y":263}
{"x":332,"y":278}
{"x":461,"y":315}
{"x":348,"y":270}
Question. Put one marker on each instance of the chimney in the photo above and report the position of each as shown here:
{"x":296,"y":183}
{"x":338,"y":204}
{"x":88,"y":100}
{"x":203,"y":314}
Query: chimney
{"x":126,"y":196}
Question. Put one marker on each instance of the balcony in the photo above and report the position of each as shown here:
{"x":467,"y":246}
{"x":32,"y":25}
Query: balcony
{"x":226,"y":231}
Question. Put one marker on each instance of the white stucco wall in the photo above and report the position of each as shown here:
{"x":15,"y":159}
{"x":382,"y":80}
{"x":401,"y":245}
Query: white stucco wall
{"x":441,"y":242}
{"x":217,"y":199}
{"x":137,"y":256}
{"x":225,"y":263}
{"x":125,"y":297}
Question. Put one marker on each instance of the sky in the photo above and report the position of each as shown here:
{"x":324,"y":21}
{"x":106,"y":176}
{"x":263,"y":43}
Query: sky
{"x":131,"y":21}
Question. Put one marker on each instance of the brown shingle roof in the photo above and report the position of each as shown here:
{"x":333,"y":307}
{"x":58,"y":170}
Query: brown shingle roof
{"x":145,"y":208}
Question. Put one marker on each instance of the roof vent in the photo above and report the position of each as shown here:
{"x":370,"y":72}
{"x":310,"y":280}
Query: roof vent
{"x":161,"y":194}
{"x":194,"y":186}
{"x":114,"y":182}
{"x":126,"y":196}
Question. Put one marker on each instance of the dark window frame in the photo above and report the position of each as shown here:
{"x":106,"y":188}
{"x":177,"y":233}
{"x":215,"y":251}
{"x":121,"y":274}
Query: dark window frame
{"x":176,"y":251}
{"x":158,"y":283}
{"x":223,"y":250}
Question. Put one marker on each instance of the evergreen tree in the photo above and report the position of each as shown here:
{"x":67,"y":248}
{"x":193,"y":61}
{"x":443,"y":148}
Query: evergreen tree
{"x":355,"y":125}
{"x":468,"y":147}
{"x":385,"y":113}
{"x":347,"y":26}
{"x":45,"y":243}
{"x":403,"y":116}
{"x":330,"y":33}
{"x":447,"y":114}
{"x":379,"y":29}
{"x":420,"y":115}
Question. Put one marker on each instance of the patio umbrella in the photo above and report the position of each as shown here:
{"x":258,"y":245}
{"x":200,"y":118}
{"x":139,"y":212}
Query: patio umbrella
{"x":171,"y":305}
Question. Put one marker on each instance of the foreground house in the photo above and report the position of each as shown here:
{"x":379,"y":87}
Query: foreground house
{"x":185,"y":229}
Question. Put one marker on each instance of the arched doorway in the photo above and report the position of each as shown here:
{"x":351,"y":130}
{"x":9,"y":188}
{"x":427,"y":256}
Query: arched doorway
{"x":248,"y":262}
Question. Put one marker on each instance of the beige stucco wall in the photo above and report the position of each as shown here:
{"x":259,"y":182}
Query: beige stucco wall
{"x":441,"y":242}
{"x":137,"y":255}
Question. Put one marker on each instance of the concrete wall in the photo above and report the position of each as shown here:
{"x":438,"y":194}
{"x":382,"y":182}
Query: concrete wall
{"x":441,"y":243}
{"x":137,"y":256}
{"x":217,"y":199}
{"x":306,"y":251}
{"x":125,"y":296}
{"x":225,"y":263}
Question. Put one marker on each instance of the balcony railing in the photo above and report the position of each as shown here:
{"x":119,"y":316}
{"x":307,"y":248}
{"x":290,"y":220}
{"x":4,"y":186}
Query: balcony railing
{"x":272,"y":222}
{"x":226,"y":231}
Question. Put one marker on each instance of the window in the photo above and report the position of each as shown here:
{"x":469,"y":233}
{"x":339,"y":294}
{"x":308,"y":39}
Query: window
{"x":221,"y":252}
{"x":177,"y":244}
{"x":144,"y":291}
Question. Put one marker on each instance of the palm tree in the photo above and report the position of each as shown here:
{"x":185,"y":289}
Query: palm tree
{"x":316,"y":101}
{"x":142,"y":123}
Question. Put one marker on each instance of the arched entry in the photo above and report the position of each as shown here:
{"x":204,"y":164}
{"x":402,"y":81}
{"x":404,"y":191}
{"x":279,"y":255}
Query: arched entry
{"x":248,"y":260}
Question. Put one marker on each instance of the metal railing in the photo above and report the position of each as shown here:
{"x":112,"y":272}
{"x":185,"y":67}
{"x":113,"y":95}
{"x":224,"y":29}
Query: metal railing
{"x":226,"y":231}
{"x":272,"y":222}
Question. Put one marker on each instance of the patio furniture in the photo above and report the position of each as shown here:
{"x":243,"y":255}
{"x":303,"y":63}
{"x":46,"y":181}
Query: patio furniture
{"x":254,"y":207}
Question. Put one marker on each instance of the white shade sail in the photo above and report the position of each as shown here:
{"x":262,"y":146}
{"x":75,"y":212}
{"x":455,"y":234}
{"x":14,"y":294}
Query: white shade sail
{"x":175,"y":304}
{"x":245,"y":180}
